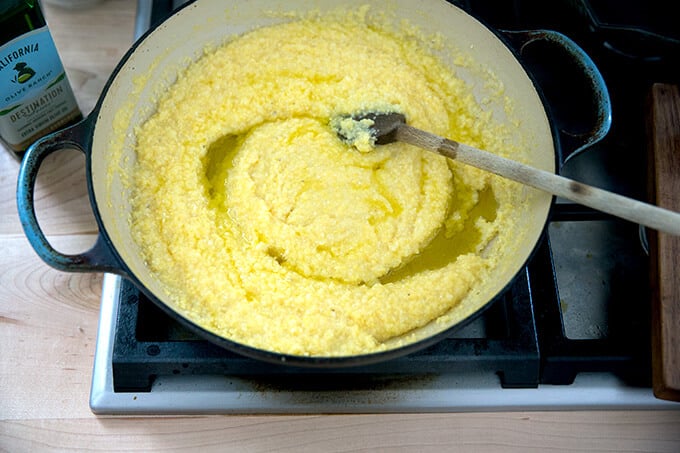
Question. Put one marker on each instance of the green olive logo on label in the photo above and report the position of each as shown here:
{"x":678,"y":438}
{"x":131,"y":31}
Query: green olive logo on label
{"x":24,"y":73}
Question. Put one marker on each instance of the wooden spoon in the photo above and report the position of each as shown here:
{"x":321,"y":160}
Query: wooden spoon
{"x":391,"y":127}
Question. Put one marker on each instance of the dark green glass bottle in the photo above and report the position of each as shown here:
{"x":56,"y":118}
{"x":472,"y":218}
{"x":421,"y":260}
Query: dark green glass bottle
{"x":35,"y":95}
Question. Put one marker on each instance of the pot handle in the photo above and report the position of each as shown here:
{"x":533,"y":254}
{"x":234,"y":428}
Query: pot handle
{"x":571,"y":143}
{"x":100,"y":257}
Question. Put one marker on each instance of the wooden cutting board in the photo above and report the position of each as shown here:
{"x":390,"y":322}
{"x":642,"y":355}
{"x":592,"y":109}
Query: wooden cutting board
{"x":664,"y":189}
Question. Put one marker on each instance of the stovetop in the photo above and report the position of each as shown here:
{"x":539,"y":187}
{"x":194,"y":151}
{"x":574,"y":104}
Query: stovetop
{"x":573,"y":331}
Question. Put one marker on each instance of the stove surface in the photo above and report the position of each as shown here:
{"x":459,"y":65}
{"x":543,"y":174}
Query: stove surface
{"x":573,"y":331}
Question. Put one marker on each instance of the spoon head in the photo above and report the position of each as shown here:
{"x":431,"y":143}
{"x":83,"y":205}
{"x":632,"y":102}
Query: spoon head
{"x":371,"y":127}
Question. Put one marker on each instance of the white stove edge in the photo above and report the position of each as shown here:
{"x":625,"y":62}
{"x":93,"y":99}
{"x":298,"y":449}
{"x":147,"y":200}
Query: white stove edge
{"x":445,"y":393}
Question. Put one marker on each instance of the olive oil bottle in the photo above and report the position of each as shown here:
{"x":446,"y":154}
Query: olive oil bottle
{"x":35,"y":95}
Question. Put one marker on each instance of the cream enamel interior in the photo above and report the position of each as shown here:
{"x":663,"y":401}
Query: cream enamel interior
{"x":154,"y":64}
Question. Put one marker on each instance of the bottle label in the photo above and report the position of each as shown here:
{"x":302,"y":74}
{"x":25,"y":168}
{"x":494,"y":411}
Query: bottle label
{"x":35,"y":95}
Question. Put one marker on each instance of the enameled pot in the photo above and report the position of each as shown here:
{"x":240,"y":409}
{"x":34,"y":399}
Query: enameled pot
{"x":107,"y":139}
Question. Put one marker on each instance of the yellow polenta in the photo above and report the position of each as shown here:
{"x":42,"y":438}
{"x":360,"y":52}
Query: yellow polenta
{"x":269,"y":230}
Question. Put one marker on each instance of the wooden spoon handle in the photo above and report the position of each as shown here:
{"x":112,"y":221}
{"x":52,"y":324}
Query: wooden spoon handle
{"x":602,"y":200}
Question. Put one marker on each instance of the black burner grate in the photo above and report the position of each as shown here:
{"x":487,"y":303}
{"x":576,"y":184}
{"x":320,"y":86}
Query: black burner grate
{"x":524,"y":339}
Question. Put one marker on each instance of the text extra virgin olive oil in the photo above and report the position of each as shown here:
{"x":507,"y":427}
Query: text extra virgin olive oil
{"x":35,"y":95}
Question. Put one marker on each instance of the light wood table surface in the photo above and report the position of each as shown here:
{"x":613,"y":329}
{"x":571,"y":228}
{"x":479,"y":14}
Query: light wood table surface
{"x":48,"y":327}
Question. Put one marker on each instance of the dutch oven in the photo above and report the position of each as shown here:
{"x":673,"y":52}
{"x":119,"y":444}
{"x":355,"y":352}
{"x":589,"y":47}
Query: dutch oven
{"x":152,"y":64}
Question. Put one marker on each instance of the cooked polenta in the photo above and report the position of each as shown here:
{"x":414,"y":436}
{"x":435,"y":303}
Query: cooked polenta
{"x":269,"y":230}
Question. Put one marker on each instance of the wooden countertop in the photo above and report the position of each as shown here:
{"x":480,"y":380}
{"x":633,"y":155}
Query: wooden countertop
{"x":48,"y":326}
